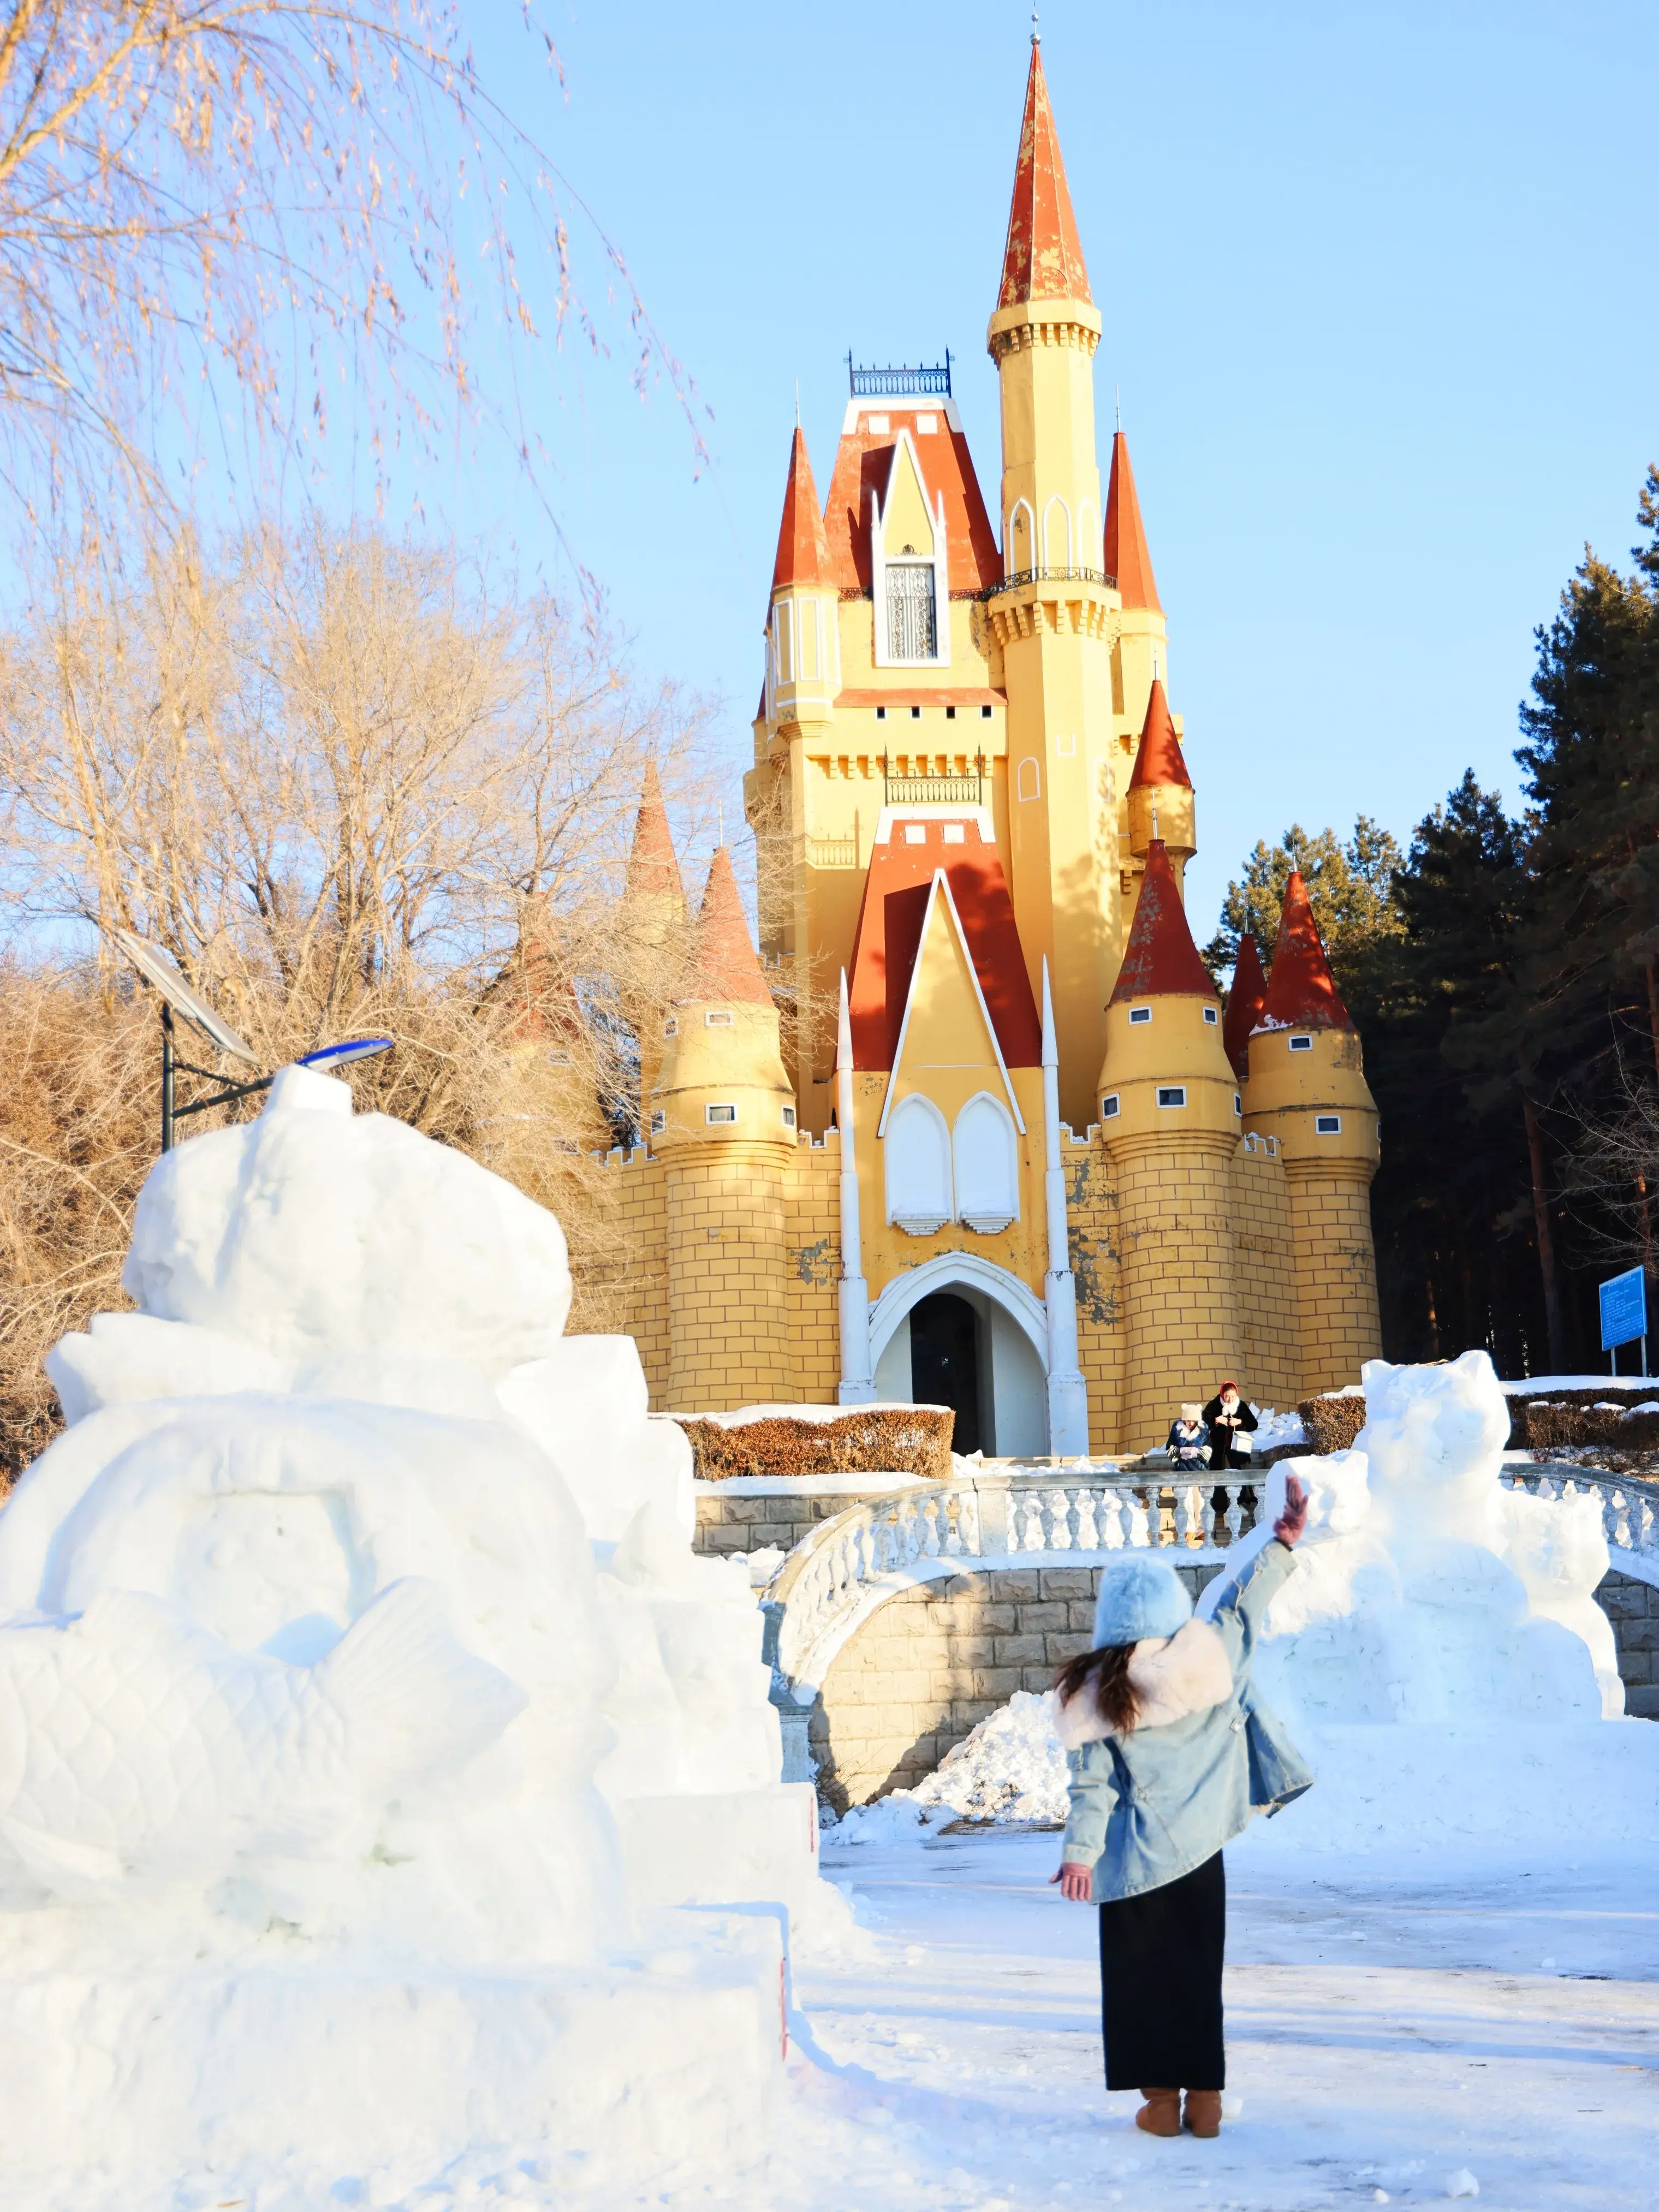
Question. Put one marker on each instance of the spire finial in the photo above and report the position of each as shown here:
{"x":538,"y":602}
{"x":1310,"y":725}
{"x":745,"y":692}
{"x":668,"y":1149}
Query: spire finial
{"x":798,"y":402}
{"x":1117,"y":398}
{"x":1036,"y":35}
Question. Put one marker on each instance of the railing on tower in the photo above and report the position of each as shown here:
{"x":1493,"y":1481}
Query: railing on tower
{"x":933,"y":790}
{"x":1046,"y":576}
{"x":896,"y":382}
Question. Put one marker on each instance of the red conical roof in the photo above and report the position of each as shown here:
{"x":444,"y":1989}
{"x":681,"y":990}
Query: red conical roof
{"x":803,"y":549}
{"x":1043,"y":258}
{"x":1160,"y":959}
{"x":1159,"y":760}
{"x":652,"y":867}
{"x":1302,"y":992}
{"x":1126,"y":557}
{"x":1244,"y":1002}
{"x":726,"y":965}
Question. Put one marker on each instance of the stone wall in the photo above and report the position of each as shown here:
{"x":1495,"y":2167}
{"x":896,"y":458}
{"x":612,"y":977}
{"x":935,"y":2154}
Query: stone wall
{"x":932,"y":1662}
{"x":729,"y":1520}
{"x":1632,"y":1606}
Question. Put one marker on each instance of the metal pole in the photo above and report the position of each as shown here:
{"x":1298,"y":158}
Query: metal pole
{"x":167,"y":1078}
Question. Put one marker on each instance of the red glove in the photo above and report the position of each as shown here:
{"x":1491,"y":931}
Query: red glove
{"x":1294,"y":1519}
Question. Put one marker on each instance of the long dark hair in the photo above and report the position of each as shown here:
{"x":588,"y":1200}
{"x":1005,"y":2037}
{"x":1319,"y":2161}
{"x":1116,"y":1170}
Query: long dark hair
{"x":1105,"y":1674}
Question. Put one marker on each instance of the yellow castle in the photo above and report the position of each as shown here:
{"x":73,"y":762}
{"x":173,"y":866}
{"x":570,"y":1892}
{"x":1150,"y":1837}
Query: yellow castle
{"x":974,"y":815}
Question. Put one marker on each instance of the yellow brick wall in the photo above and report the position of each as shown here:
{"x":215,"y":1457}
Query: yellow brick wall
{"x":812,"y":1256}
{"x":1175,"y":1239}
{"x":727,"y":1280}
{"x":1092,"y":1225}
{"x":641,"y":1203}
{"x":1336,"y":1277}
{"x":1269,"y":1317}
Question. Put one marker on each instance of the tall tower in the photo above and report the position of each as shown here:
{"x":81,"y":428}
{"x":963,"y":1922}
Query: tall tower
{"x":723,"y":1122}
{"x":1141,"y":653}
{"x":1307,"y":1087}
{"x":1052,"y":617}
{"x":1170,"y":1129}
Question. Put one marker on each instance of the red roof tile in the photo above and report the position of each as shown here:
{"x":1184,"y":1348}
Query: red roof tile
{"x":1160,"y":959}
{"x":889,"y":934}
{"x":1125,"y":555}
{"x":1159,"y":759}
{"x":803,"y":555}
{"x":1302,"y":992}
{"x":652,"y":867}
{"x":1244,"y":999}
{"x":726,"y":965}
{"x":864,"y":460}
{"x":1043,"y":258}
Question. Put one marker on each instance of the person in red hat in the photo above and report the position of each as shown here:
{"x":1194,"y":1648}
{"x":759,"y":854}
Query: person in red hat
{"x":1229,"y":1421}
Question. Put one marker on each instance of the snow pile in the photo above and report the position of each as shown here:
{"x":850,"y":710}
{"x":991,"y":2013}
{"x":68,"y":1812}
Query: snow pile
{"x":1273,"y":1429}
{"x":364,"y":1712}
{"x":1010,"y":1768}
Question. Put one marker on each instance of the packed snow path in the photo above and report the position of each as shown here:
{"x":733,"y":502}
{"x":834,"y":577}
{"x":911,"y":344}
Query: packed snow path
{"x":1386,"y":2033}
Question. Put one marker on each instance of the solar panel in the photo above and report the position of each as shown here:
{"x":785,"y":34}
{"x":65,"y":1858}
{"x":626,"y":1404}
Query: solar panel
{"x":161,"y":973}
{"x":336,"y":1055}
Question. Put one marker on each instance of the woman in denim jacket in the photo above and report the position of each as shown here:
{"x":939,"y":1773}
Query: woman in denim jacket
{"x":1171,"y":1754}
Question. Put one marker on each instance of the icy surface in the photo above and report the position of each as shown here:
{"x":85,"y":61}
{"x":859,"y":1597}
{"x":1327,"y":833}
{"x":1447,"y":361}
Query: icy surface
{"x":366,"y":1717}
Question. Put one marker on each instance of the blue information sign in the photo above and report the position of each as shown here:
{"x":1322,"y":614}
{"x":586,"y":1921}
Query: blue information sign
{"x":1624,"y":1309}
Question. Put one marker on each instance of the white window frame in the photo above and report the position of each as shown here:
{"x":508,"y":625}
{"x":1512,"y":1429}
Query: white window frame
{"x":719,"y":1017}
{"x":1172,"y":1096}
{"x":1111,"y":1106}
{"x":659,"y":1120}
{"x":1327,"y":1125}
{"x":720,"y":1117}
{"x":1211,"y":1016}
{"x":788,"y":1117}
{"x":1138,"y":1017}
{"x":1301,"y":1043}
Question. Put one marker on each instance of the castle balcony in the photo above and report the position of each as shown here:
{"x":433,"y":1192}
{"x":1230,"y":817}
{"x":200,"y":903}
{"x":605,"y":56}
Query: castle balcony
{"x":933,"y":790}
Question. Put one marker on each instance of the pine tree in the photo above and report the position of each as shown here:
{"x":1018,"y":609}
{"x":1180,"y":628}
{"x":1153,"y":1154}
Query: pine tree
{"x":1350,"y":887}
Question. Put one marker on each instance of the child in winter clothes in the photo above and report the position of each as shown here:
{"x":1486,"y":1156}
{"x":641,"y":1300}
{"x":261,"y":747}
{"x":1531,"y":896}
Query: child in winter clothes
{"x":1171,"y":1754}
{"x":1187,"y":1444}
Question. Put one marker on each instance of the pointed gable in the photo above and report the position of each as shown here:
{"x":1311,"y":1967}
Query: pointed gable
{"x":652,"y":869}
{"x":864,"y":464}
{"x":1126,"y":557}
{"x":1160,"y":959}
{"x":897,"y":891}
{"x":1159,"y":760}
{"x":1302,"y":992}
{"x":945,"y":1022}
{"x":726,"y":966}
{"x":1244,"y":1003}
{"x":1043,"y":257}
{"x":803,"y":553}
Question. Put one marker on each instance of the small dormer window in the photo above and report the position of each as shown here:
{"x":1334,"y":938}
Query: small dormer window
{"x":1108,"y":1107}
{"x":718,"y":1017}
{"x":1138,"y":1014}
{"x":715,"y":1115}
{"x":915,"y":713}
{"x":985,"y":714}
{"x":912,"y":631}
{"x":1238,"y":1104}
{"x":1172,"y":1093}
{"x":671,"y":1027}
{"x":1327,"y":1125}
{"x":788,"y":1117}
{"x":1301,"y":1044}
{"x":881,"y":714}
{"x":658,"y":1122}
{"x":1211,"y":1016}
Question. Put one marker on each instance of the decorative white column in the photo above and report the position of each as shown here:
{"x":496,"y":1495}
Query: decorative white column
{"x":1068,"y":1393}
{"x":858,"y":1383}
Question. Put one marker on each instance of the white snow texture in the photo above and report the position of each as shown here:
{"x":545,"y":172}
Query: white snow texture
{"x":365,"y":1714}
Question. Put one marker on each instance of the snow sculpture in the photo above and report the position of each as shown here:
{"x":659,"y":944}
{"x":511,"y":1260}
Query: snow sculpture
{"x":1439,"y":1651}
{"x":358,"y":1684}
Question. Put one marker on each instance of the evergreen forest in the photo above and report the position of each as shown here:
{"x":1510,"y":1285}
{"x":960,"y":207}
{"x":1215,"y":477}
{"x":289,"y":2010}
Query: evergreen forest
{"x":1503,"y":974}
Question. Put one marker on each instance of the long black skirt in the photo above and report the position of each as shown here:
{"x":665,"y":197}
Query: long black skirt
{"x":1160,"y":1983}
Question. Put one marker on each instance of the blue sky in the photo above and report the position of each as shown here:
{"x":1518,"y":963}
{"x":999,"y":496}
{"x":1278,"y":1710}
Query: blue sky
{"x":1378,"y":293}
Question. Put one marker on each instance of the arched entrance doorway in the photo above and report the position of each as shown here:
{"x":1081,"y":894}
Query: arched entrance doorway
{"x":944,"y":1362}
{"x":1009,"y":1375}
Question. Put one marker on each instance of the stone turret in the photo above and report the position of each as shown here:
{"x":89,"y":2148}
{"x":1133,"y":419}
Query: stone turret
{"x":723,"y":1122}
{"x":1306,"y":1088}
{"x":1141,"y":652}
{"x":1169,"y":1127}
{"x":1160,"y":789}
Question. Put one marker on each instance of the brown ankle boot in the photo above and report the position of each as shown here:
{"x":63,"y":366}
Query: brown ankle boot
{"x":1203,"y":2115}
{"x":1161,"y":2113}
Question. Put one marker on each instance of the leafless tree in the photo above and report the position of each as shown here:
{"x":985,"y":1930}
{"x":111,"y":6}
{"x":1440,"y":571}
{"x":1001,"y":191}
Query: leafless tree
{"x":256,"y":211}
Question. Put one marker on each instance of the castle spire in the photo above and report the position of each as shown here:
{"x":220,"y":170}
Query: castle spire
{"x":1244,"y":1004}
{"x":803,"y":548}
{"x":1302,"y":992}
{"x":1160,"y":760}
{"x":652,"y":869}
{"x":1160,"y":959}
{"x":727,"y":964}
{"x":1127,"y":555}
{"x":1043,"y":258}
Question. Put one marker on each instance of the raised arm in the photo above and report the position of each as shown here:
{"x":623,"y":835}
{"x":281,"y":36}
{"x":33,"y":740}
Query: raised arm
{"x":1242,"y":1607}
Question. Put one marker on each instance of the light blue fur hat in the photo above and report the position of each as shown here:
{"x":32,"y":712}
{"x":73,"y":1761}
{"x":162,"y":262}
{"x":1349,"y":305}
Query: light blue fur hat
{"x":1139,"y":1596}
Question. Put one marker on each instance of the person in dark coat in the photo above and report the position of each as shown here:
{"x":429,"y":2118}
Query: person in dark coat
{"x":1229,"y":1420}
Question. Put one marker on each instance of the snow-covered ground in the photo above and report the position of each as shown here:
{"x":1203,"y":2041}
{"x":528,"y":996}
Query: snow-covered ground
{"x":1386,"y":2032}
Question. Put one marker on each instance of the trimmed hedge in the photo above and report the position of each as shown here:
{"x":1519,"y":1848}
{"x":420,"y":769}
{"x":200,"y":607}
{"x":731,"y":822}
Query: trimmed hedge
{"x":1559,"y":1419}
{"x":1330,"y":1425}
{"x":910,"y":1440}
